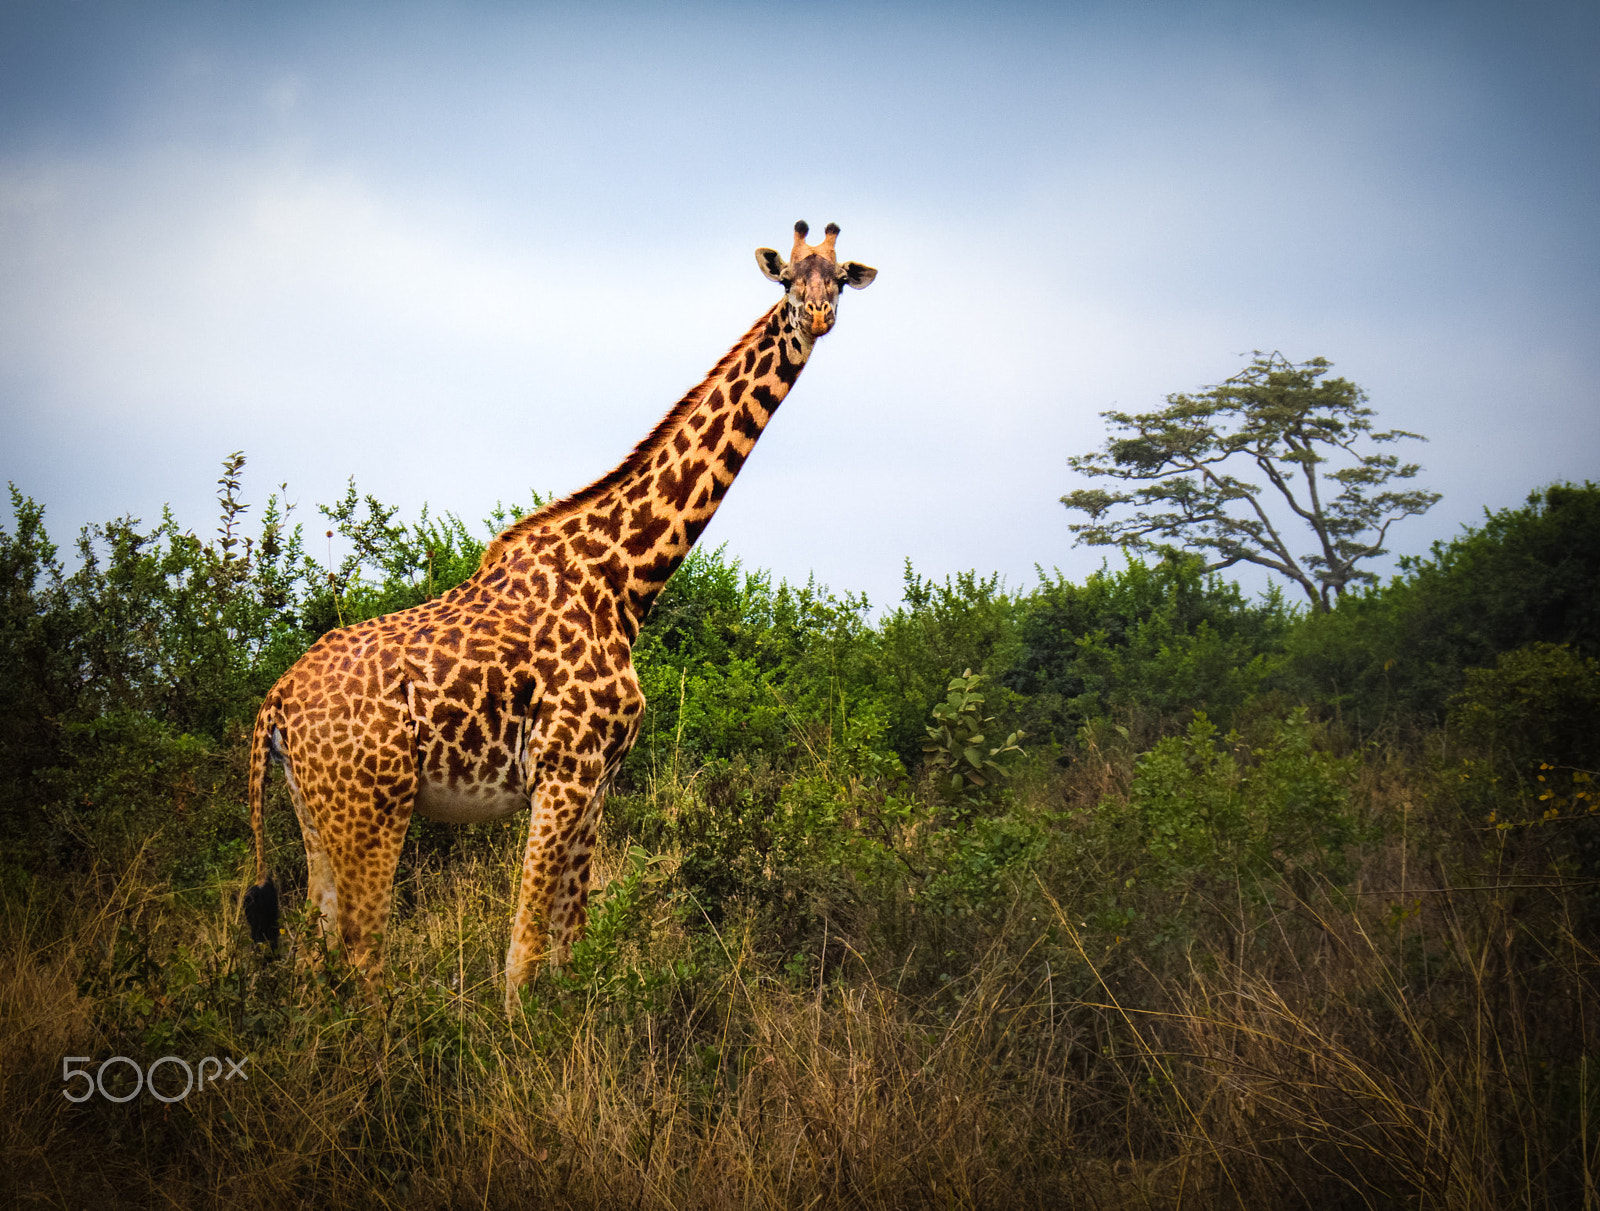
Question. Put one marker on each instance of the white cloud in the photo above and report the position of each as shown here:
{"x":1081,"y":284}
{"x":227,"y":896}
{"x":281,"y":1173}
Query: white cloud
{"x":456,"y":265}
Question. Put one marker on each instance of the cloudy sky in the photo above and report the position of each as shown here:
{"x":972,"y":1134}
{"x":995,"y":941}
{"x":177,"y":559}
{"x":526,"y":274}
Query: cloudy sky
{"x":463,"y":250}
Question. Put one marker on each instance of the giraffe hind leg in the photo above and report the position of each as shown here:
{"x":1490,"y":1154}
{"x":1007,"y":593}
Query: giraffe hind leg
{"x":322,"y":888}
{"x":322,"y":892}
{"x":366,"y":889}
{"x":351,"y":885}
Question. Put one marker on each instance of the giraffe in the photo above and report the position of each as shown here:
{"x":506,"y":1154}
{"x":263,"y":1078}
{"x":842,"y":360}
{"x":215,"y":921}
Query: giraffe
{"x":515,"y":690}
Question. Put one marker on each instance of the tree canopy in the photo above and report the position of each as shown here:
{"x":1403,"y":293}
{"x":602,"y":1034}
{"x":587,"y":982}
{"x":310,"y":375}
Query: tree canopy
{"x":1312,"y":439}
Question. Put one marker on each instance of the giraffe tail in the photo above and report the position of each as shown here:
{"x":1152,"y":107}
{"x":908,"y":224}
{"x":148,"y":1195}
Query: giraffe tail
{"x":260,"y":904}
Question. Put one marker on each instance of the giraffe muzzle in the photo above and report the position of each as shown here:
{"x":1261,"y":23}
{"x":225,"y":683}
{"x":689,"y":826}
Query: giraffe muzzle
{"x":821,"y":320}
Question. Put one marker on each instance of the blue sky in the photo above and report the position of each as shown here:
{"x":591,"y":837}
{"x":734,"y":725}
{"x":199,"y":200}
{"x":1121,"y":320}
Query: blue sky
{"x":461,"y":251}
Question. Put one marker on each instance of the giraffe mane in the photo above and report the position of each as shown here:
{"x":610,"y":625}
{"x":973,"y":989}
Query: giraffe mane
{"x":643,"y":453}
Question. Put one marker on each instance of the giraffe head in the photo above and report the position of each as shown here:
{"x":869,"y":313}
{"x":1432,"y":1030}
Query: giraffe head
{"x":813,"y":277}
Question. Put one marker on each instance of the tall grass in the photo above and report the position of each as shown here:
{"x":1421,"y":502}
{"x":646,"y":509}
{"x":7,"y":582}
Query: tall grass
{"x":1418,"y":1033}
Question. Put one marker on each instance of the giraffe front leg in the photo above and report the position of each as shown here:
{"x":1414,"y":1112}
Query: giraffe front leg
{"x":569,"y":913}
{"x":553,"y":900}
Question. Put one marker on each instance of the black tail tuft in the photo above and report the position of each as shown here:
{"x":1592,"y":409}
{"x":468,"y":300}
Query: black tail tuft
{"x":261,"y":913}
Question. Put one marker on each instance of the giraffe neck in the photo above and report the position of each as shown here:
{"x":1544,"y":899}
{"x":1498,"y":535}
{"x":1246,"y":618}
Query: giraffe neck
{"x":629,"y":530}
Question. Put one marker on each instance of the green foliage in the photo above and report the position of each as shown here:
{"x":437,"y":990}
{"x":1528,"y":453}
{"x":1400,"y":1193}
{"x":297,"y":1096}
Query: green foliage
{"x":957,"y":749}
{"x":1540,"y":703}
{"x":37,"y":675}
{"x":752,"y":836}
{"x":184,"y":1000}
{"x":126,"y":783}
{"x":1527,"y":745}
{"x":606,"y":962}
{"x":1202,"y":809}
{"x":1396,"y":655}
{"x":125,"y":678}
{"x":1143,"y":643}
{"x":966,"y":622}
{"x":1528,"y":575}
{"x":972,"y":865}
{"x":160,"y":622}
{"x":732,"y":664}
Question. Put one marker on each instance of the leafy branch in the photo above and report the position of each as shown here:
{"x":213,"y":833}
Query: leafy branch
{"x":957,"y":747}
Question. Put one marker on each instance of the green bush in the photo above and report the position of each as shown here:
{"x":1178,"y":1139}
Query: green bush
{"x":1526,"y":749}
{"x":967,"y":622}
{"x":1539,"y":704}
{"x":1205,"y":807}
{"x":732,"y":665}
{"x":1394,"y":656}
{"x":1144,"y":644}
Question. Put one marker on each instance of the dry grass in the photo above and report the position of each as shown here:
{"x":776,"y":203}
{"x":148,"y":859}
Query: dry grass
{"x":1422,"y":1047}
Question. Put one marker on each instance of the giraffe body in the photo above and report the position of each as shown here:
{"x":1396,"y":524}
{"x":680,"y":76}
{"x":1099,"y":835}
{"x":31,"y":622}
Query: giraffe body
{"x":515,"y":691}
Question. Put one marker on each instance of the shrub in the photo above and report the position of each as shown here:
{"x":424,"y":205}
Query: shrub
{"x":1394,"y":656}
{"x":1146,"y":644}
{"x":1203,"y":809}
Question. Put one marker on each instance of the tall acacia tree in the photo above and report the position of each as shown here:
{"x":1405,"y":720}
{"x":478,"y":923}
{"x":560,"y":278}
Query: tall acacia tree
{"x":1308,"y":435}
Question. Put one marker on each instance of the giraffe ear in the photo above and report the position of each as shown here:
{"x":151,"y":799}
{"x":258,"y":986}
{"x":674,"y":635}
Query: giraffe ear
{"x":858,"y":275}
{"x":771,"y":264}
